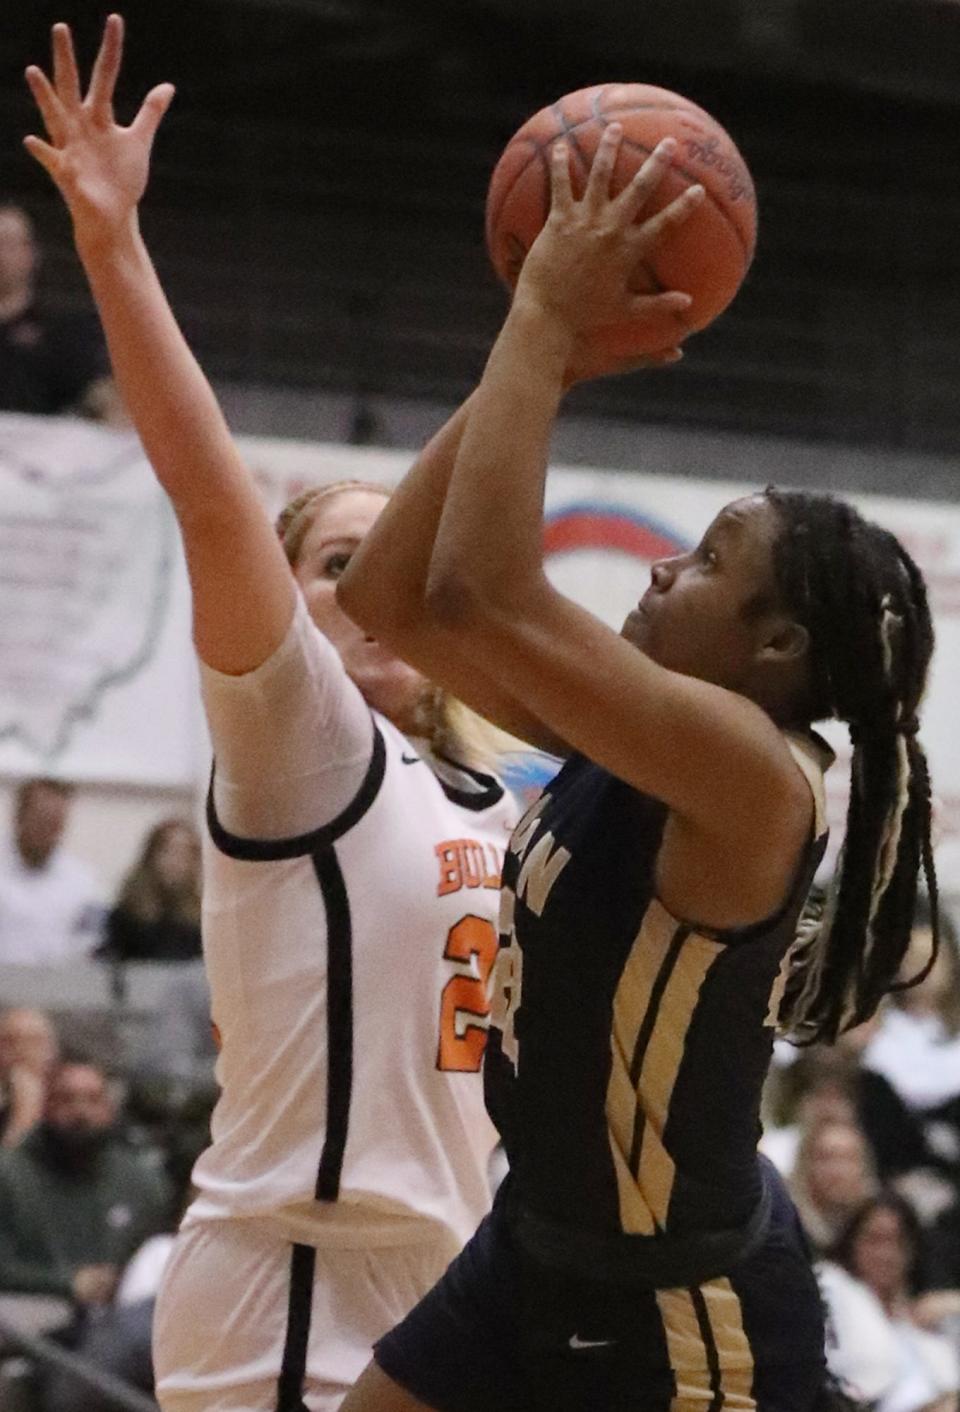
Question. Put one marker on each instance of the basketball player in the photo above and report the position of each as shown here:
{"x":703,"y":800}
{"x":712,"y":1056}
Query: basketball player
{"x":352,"y":872}
{"x":640,"y":1255}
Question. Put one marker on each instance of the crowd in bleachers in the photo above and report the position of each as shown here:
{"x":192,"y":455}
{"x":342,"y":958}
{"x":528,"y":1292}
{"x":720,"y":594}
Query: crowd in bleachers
{"x":97,"y":1138}
{"x":105,"y":1093}
{"x":867,"y":1133}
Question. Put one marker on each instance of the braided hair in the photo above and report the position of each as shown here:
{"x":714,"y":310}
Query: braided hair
{"x":863,"y":601}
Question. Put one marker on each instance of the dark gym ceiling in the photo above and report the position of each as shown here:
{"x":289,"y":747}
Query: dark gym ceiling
{"x":318,"y":195}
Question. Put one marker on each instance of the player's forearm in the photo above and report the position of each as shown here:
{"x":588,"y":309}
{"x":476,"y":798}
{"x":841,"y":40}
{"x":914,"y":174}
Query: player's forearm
{"x":160,"y":382}
{"x":384,"y":585}
{"x":489,"y":544}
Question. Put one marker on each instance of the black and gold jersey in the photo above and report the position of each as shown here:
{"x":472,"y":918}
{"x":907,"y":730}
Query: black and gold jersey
{"x":628,"y":1048}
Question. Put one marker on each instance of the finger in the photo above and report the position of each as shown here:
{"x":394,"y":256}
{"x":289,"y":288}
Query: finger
{"x":561,"y":193}
{"x":151,"y":112}
{"x":658,"y":228}
{"x":106,"y":67}
{"x":597,"y":193}
{"x":46,"y":155}
{"x":65,"y":77}
{"x":673,"y":303}
{"x":639,"y":190}
{"x":51,"y":109}
{"x":665,"y":358}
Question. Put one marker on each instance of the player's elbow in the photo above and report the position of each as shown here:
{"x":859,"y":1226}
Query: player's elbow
{"x":451,"y":600}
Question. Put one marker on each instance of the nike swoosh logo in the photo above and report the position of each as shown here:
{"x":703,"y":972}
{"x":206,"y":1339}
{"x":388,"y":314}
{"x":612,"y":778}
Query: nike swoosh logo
{"x":577,"y":1342}
{"x":411,"y":759}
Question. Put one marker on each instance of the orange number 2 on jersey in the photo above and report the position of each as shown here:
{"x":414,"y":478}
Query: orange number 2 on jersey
{"x":464,"y":1003}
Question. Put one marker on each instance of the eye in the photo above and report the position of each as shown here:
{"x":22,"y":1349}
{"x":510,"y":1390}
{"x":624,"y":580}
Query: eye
{"x":707,"y":556}
{"x":333,"y":565}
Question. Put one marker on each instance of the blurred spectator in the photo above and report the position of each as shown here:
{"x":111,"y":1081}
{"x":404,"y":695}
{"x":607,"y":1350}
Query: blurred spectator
{"x":832,"y":1178}
{"x":119,"y":1340}
{"x":48,"y":362}
{"x":916,"y":1046}
{"x":829,"y":1081}
{"x":157,"y":914}
{"x":75,"y":1201}
{"x":818,"y":1085}
{"x":50,"y":909}
{"x":875,"y":1315}
{"x":28,"y":1052}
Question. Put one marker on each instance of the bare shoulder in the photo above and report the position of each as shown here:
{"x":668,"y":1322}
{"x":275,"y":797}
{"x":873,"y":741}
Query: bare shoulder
{"x":738,"y":870}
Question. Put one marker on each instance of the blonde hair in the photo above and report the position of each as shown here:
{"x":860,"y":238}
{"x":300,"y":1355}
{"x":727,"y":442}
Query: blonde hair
{"x":452,"y":729}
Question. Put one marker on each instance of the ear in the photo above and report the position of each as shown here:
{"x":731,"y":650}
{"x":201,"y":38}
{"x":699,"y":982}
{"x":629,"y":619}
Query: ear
{"x":783,"y":640}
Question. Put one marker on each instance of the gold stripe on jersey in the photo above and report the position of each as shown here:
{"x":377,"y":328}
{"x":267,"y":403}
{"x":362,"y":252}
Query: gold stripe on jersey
{"x":652,"y":1008}
{"x":708,"y":1348}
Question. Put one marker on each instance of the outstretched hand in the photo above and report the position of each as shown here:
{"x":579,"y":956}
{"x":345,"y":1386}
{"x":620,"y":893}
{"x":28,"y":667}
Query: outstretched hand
{"x":99,"y":167}
{"x":582,"y":264}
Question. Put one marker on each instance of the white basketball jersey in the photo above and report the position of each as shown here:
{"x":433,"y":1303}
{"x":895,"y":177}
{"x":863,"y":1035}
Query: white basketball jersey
{"x":348,"y":971}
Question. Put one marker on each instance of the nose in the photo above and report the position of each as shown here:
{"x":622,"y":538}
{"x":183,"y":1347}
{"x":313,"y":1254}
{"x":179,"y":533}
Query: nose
{"x":662,"y":574}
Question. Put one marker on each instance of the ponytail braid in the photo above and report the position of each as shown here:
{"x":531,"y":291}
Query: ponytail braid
{"x":863,"y":602}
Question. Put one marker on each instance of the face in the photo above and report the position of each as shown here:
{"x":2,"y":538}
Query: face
{"x":41,"y":820}
{"x":694,"y":616}
{"x":339,"y":525}
{"x":882,"y":1253}
{"x":826,"y":1101}
{"x":78,"y":1100}
{"x":27,"y":1041}
{"x":17,"y":251}
{"x":837,"y":1173}
{"x":176,"y":856}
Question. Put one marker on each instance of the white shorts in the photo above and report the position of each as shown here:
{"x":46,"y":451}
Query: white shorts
{"x":240,"y":1308}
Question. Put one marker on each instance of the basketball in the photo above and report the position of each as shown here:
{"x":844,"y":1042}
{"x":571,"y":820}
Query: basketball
{"x":706,"y":258}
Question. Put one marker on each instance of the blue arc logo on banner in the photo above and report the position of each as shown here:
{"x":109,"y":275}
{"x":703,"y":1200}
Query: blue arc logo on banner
{"x":592,"y":524}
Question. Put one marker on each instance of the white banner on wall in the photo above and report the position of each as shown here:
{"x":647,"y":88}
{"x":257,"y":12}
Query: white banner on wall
{"x":97,"y":679}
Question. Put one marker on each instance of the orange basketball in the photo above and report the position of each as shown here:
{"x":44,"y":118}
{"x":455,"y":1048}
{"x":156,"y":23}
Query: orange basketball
{"x":706,"y":258}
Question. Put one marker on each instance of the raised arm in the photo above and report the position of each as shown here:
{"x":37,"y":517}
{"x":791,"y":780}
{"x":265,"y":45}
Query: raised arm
{"x":243,"y":592}
{"x":384,"y":588}
{"x":714,"y":757}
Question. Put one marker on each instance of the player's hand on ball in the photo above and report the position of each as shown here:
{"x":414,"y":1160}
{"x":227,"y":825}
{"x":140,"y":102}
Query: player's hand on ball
{"x":100,"y":168}
{"x":583,"y":265}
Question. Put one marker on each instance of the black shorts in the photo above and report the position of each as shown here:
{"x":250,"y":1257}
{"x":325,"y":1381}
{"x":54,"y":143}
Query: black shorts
{"x":500,"y":1333}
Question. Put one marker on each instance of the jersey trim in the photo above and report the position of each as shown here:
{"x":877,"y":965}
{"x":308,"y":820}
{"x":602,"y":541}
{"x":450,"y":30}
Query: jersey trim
{"x":268,"y":850}
{"x":490,"y":791}
{"x":293,"y":1366}
{"x":339,"y":1021}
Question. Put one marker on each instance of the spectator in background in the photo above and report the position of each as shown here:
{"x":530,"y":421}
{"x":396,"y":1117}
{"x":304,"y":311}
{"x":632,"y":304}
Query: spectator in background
{"x":832,"y":1178}
{"x":880,"y":1249}
{"x":28,"y":1052}
{"x":119,"y":1340}
{"x":50,"y":908}
{"x":816,"y":1087}
{"x":75,"y":1200}
{"x":829,"y":1081}
{"x":157,"y":914}
{"x":48,"y":362}
{"x":916,"y":1045}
